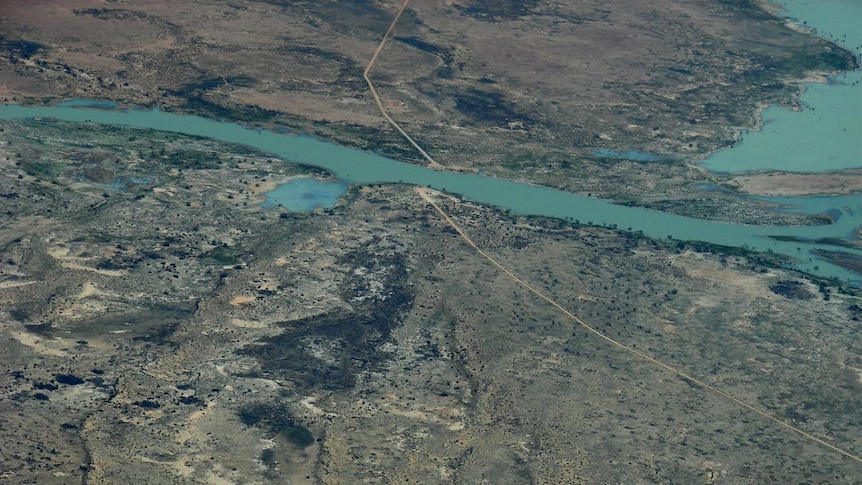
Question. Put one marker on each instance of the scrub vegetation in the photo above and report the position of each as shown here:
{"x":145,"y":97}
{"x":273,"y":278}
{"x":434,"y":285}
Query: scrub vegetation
{"x":174,"y":329}
{"x":159,"y":325}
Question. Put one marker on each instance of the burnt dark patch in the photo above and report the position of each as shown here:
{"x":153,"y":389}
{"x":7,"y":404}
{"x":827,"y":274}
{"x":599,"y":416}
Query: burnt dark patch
{"x":110,"y":13}
{"x":16,"y":48}
{"x":19,"y":314}
{"x":277,"y":420}
{"x":816,"y":56}
{"x":154,"y":324}
{"x":496,"y":10}
{"x":68,"y":379}
{"x":159,"y":335}
{"x":191,"y":400}
{"x":429,"y":350}
{"x":376,"y":283}
{"x":433,"y":49}
{"x":221,"y":255}
{"x":362,"y":18}
{"x":519,"y":242}
{"x":194,"y":94}
{"x":489,"y":107}
{"x":44,"y":329}
{"x":320,"y":54}
{"x":267,"y":457}
{"x":147,"y":404}
{"x":349,"y":340}
{"x":47,"y":386}
{"x":749,"y":8}
{"x":299,"y":435}
{"x":445,"y":54}
{"x":206,"y":84}
{"x":328,"y":351}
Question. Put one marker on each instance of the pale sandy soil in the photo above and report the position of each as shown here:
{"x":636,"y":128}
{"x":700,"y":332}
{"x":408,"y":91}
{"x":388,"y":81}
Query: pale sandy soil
{"x":796,"y":184}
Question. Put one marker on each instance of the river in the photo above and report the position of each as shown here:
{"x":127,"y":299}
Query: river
{"x":354,"y":166}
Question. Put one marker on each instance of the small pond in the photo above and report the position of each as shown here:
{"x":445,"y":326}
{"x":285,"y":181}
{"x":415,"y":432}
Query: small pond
{"x":304,"y":194}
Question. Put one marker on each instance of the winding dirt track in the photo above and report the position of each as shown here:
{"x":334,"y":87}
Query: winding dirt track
{"x":431,"y":162}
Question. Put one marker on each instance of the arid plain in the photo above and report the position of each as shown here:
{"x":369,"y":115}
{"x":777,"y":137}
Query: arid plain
{"x":157,"y":325}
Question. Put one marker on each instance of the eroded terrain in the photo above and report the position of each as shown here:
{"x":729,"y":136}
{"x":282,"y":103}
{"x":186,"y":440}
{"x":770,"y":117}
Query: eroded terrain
{"x":158,"y":326}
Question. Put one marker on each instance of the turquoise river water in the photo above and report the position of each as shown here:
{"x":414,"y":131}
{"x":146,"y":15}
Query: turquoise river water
{"x":827,"y":133}
{"x":354,"y":166}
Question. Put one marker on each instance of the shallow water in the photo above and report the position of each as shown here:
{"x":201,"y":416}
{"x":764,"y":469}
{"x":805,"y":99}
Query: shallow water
{"x":360,"y":167}
{"x":827,"y":133}
{"x":304,"y":194}
{"x":836,"y":206}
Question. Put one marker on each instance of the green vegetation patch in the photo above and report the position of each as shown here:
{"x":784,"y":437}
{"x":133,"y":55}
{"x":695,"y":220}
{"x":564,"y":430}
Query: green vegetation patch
{"x":848,"y":261}
{"x":193,"y":159}
{"x":43,"y":168}
{"x":267,"y":457}
{"x":224,"y":255}
{"x":812,"y":57}
{"x":204,"y":107}
{"x":826,"y":241}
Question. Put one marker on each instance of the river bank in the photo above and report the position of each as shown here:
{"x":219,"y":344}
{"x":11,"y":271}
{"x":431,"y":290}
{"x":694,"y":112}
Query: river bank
{"x":354,"y":166}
